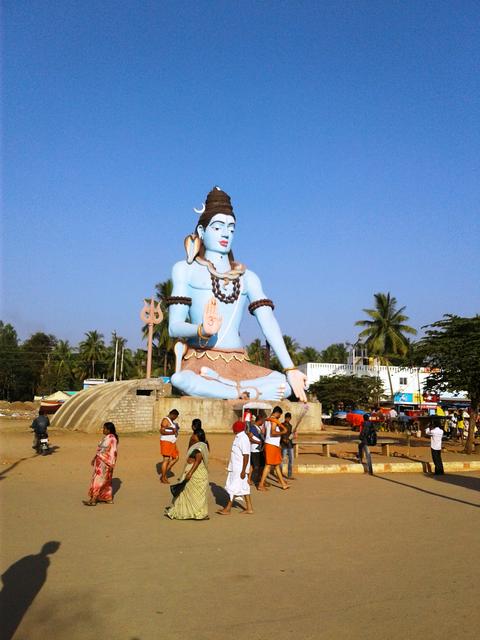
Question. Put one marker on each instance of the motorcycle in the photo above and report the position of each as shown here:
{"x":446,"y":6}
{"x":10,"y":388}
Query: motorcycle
{"x":43,"y":445}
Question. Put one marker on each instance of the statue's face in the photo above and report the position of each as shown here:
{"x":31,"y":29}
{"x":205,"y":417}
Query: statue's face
{"x":218,"y":235}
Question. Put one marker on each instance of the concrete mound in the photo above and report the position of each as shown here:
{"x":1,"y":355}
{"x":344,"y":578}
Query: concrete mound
{"x":129,"y":404}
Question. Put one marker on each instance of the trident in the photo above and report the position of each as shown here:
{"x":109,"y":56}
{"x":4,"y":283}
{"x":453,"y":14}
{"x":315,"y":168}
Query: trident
{"x":150,"y":314}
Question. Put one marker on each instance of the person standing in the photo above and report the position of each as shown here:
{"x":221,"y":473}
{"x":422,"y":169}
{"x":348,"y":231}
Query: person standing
{"x":286,"y":441}
{"x":368,"y":437}
{"x":103,"y":464}
{"x":168,"y":443}
{"x":460,"y":425}
{"x":274,"y":429}
{"x":256,"y":435}
{"x":192,"y":502}
{"x":436,"y":435}
{"x":238,"y":468}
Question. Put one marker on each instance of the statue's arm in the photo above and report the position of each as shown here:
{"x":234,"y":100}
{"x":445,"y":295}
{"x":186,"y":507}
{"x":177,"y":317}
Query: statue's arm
{"x":267,"y":321}
{"x":271,"y":330}
{"x":178,"y":327}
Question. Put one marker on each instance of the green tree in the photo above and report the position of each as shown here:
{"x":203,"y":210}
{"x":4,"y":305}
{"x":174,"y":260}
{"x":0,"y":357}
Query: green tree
{"x":139,"y":363}
{"x":335,"y":353}
{"x":308,"y":354}
{"x":92,"y":350}
{"x":117,"y":343}
{"x":256,"y":353}
{"x":384,"y":332}
{"x":352,"y":391}
{"x":37,"y":351}
{"x":451,"y":346}
{"x":63,"y":362}
{"x":293,"y":348}
{"x":9,"y":362}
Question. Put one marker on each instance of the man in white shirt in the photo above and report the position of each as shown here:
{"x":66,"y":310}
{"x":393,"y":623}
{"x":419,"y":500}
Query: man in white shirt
{"x":436,"y":434}
{"x":237,"y":479}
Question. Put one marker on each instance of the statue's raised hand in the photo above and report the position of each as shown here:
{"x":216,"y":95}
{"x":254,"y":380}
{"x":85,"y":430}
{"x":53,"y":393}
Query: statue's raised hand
{"x":212,"y":321}
{"x":298,"y":382}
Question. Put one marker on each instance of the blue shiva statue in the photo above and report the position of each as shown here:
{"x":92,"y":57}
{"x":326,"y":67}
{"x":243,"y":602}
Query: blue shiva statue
{"x":210,"y":294}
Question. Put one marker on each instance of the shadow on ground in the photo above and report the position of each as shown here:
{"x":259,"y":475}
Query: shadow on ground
{"x":467,"y":482}
{"x":432,"y":493}
{"x":3,"y":473}
{"x":116,"y":484}
{"x":21,"y":583}
{"x":220,"y":495}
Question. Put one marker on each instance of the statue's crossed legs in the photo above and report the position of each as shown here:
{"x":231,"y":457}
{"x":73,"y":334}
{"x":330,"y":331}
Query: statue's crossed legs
{"x":209,"y":384}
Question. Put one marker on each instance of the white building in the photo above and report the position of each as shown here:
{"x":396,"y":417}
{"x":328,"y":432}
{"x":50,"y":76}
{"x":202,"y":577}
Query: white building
{"x":408,"y":383}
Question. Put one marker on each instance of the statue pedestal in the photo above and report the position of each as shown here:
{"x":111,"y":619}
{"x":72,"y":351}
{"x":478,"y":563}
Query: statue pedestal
{"x":217,"y":416}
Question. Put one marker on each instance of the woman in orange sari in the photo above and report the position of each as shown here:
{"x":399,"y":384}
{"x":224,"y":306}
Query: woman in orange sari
{"x":103,"y":464}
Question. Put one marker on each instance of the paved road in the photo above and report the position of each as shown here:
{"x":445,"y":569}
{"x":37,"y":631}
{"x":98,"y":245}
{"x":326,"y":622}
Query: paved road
{"x":340,"y":557}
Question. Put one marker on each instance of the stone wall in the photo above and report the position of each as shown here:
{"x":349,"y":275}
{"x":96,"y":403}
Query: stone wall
{"x":217,"y":416}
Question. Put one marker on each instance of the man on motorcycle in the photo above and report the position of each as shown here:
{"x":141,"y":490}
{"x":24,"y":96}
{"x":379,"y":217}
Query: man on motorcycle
{"x":39,"y":426}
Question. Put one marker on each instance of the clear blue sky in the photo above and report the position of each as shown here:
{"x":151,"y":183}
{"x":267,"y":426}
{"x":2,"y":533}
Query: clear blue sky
{"x":346,"y":132}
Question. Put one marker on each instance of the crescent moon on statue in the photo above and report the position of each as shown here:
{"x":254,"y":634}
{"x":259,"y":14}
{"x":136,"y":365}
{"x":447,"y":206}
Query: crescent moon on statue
{"x":202,"y":210}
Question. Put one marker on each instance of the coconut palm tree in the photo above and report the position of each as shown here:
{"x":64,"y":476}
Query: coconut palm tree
{"x":117,"y":344}
{"x":384,"y":331}
{"x":309,"y":354}
{"x":62,"y":358}
{"x":336,"y":353}
{"x":92,"y":349}
{"x":292,"y":347}
{"x":256,"y":352}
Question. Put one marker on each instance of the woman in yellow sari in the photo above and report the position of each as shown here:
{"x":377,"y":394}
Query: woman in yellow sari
{"x":191,"y":503}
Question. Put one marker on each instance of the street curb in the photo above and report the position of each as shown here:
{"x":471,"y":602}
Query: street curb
{"x":385,"y":467}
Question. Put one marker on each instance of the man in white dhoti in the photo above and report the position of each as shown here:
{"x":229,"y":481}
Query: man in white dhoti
{"x":237,"y":479}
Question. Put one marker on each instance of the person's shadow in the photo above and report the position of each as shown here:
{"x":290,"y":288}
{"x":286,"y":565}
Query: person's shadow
{"x":220,"y":495}
{"x":116,"y":484}
{"x":21,"y":583}
{"x":158,"y":467}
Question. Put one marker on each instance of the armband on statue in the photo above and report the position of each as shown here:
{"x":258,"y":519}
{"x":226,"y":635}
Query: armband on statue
{"x":265,"y":302}
{"x":177,"y":300}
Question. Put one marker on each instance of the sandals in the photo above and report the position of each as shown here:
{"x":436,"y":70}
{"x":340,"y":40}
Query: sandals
{"x":89,"y":503}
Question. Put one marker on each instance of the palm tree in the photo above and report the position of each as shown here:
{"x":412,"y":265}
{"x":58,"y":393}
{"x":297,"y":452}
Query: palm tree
{"x":384,"y":331}
{"x":308,"y":354}
{"x":256,"y":352}
{"x":336,"y":353}
{"x":292,"y":347}
{"x":62,"y":357}
{"x":92,"y":349}
{"x":117,"y":344}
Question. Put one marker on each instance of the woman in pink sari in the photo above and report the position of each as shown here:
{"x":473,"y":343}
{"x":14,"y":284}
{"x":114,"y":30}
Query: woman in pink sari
{"x":103,"y":464}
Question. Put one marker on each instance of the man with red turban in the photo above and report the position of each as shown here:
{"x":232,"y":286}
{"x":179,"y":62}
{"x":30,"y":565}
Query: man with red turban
{"x":238,"y":468}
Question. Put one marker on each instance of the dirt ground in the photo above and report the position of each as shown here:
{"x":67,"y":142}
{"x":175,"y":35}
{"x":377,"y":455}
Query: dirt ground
{"x":335,"y":557}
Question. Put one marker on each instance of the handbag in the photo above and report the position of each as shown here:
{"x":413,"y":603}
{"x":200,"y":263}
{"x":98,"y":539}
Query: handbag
{"x":176,"y":489}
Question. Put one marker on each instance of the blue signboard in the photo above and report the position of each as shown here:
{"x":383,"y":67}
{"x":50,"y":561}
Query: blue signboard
{"x":402,"y":398}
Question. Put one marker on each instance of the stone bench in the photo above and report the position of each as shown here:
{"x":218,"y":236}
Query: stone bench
{"x":385,"y":444}
{"x":325,"y":444}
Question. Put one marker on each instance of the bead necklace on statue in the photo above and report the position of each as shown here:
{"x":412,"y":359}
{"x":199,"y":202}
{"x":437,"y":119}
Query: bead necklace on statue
{"x":221,"y":280}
